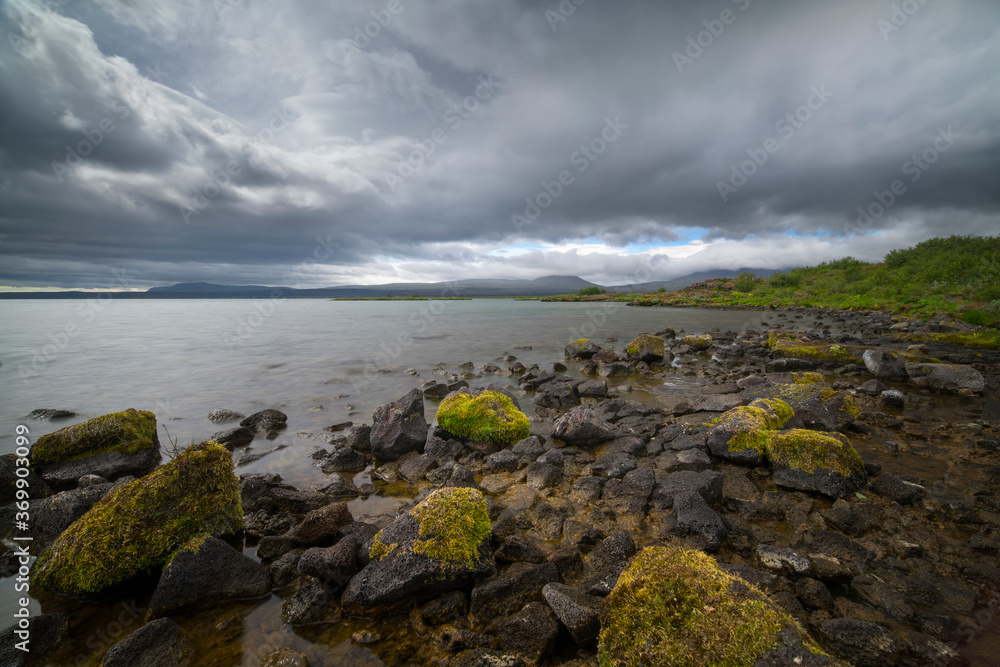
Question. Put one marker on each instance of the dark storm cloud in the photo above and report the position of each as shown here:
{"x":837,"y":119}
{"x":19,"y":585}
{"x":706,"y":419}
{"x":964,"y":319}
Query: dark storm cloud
{"x":234,"y":142}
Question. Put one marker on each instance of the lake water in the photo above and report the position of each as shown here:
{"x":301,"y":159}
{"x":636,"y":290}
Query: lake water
{"x":319,"y":361}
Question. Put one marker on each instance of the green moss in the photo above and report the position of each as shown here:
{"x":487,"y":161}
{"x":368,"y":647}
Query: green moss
{"x":127,"y":432}
{"x":807,"y":450}
{"x":982,"y":340}
{"x":807,"y":378}
{"x":788,"y":346}
{"x":750,"y":426}
{"x":488,"y":417}
{"x":851,"y":406}
{"x":780,"y":412}
{"x":380,"y":549}
{"x":676,"y":607}
{"x":453,"y":523}
{"x":141,"y":525}
{"x":647,"y":342}
{"x":578,"y":344}
{"x":193,"y":545}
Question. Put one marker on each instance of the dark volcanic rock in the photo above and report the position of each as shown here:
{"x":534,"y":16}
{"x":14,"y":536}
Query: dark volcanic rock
{"x":333,"y":566}
{"x":50,"y":414}
{"x":109,"y":465}
{"x":946,"y":377}
{"x":8,"y":481}
{"x":266,"y":420}
{"x":581,"y":428}
{"x":310,"y":604}
{"x":708,"y":484}
{"x":399,"y":427}
{"x":575,"y":610}
{"x":610,"y":557}
{"x":234,"y":437}
{"x":207,"y":574}
{"x":863,"y":643}
{"x":582,"y":350}
{"x":893,"y":488}
{"x":628,"y":496}
{"x":696,"y":520}
{"x":159,"y":643}
{"x":530,"y":633}
{"x":343,"y":459}
{"x":321,"y":525}
{"x":507,"y":594}
{"x":543,"y":475}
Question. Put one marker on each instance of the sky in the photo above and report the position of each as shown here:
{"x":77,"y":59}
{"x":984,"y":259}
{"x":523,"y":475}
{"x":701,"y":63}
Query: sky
{"x":311,"y":144}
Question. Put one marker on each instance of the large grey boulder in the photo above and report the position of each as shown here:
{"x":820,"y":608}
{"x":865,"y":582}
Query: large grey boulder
{"x":946,"y":377}
{"x":399,"y":427}
{"x":885,"y":365}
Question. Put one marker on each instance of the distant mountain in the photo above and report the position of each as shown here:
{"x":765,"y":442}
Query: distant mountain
{"x":474,"y":287}
{"x":689,"y":279}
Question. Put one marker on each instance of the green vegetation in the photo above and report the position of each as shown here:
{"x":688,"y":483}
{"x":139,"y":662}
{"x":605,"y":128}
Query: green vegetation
{"x":647,"y":345}
{"x":453,"y":523}
{"x":128,"y":432}
{"x":753,"y":425}
{"x":959,"y":276}
{"x":141,"y":526}
{"x":387,"y":297}
{"x":802,"y":449}
{"x":589,"y":291}
{"x":676,"y":607}
{"x":488,"y":417}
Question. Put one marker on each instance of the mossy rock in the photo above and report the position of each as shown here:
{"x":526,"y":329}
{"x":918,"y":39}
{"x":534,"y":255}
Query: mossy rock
{"x":128,"y":432}
{"x":676,"y":607}
{"x":647,"y":347}
{"x":808,"y":378}
{"x":816,"y":350}
{"x":815,"y":461}
{"x":488,"y":417}
{"x":440,"y":545}
{"x":697,"y":343}
{"x":140,"y":526}
{"x":741,"y":434}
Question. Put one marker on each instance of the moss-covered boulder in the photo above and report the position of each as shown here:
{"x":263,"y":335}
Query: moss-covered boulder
{"x":789,"y":345}
{"x":696,"y":343}
{"x":817,"y":406}
{"x":582,"y":348}
{"x":647,"y":347}
{"x":440,"y":545}
{"x":741,"y":434}
{"x":487,"y":417}
{"x":814,"y":461}
{"x":112,"y":446}
{"x":676,"y":607}
{"x":140,"y":526}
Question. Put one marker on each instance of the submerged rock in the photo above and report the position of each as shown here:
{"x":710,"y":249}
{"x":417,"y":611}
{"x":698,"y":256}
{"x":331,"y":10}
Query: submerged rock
{"x":675,"y":606}
{"x":440,"y":545}
{"x":159,"y":643}
{"x":266,"y":420}
{"x":234,"y":437}
{"x":112,"y":446}
{"x":487,"y":417}
{"x":139,"y":526}
{"x":221,"y":416}
{"x":51,"y":414}
{"x":399,"y":427}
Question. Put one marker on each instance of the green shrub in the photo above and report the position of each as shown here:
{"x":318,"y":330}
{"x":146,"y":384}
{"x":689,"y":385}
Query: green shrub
{"x":590,"y":291}
{"x":745,"y":282}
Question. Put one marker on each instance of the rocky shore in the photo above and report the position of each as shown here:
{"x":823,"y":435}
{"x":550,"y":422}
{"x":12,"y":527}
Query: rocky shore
{"x":783,"y":495}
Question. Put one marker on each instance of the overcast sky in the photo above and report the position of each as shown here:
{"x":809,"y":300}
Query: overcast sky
{"x":311,"y":143}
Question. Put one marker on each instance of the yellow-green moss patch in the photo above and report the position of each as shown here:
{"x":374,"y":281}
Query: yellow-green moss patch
{"x":780,"y":412}
{"x":807,"y":450}
{"x":676,"y":607}
{"x":577,"y":345}
{"x":647,"y":344}
{"x":128,"y":432}
{"x":141,"y":525}
{"x":807,"y":378}
{"x":488,"y":417}
{"x":750,"y":427}
{"x":452,"y":524}
{"x":788,"y":346}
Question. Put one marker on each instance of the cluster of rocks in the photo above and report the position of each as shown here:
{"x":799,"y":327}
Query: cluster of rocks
{"x":542,"y":550}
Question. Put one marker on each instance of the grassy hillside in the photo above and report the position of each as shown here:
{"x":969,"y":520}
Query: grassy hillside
{"x":959,"y":275}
